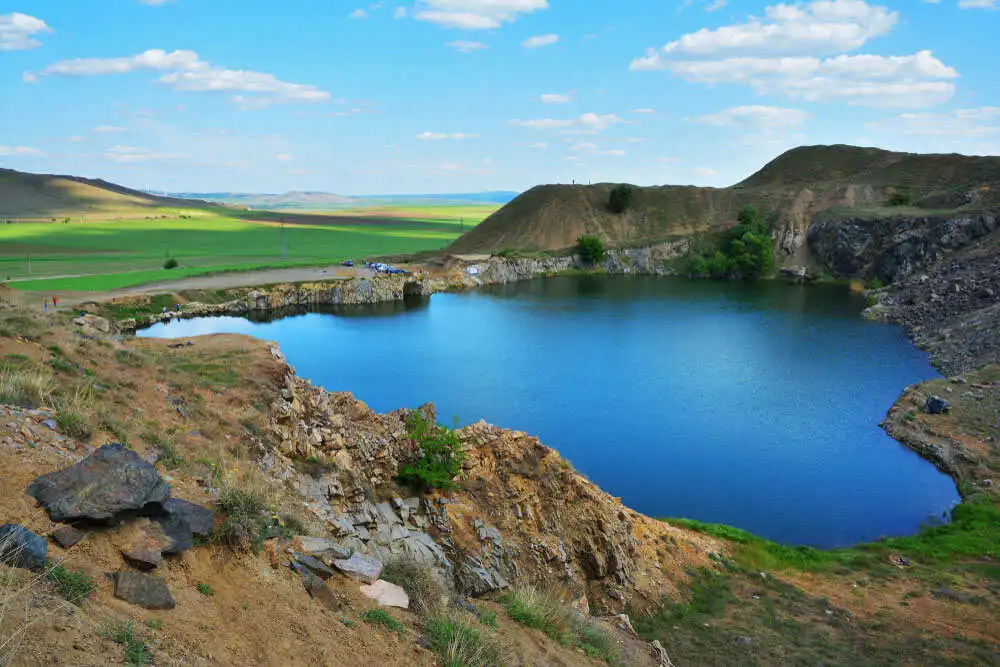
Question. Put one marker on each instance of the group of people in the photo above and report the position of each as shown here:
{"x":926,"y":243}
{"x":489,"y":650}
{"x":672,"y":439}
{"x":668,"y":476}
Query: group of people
{"x":45,"y":303}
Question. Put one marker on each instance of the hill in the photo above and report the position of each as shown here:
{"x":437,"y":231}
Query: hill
{"x":325,"y":201}
{"x":794,"y":189}
{"x":25,"y":195}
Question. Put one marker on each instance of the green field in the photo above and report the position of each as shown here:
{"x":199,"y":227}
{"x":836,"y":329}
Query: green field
{"x":98,"y":256}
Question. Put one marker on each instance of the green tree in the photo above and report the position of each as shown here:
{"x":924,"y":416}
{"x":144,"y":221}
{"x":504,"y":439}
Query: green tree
{"x":620,"y":198}
{"x":591,"y":249}
{"x":441,"y":455}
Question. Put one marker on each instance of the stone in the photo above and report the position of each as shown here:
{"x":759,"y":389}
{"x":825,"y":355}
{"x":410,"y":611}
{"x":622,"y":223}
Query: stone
{"x":386,"y":594}
{"x":146,"y":549}
{"x":50,"y":423}
{"x":66,"y":536}
{"x":19,"y":547}
{"x":936,"y":405}
{"x":182,"y":520}
{"x":111,"y":480}
{"x":92,"y":323}
{"x":321,"y":547}
{"x":360,"y":566}
{"x":475,"y":580}
{"x":660,"y":654}
{"x":319,"y":591}
{"x":314,"y":565}
{"x":143,"y":590}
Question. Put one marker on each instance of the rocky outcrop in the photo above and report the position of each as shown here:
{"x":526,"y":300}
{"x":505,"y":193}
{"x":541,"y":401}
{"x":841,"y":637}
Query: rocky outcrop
{"x":891,"y":248}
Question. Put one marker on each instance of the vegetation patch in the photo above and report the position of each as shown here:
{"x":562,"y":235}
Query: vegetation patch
{"x":441,"y":455}
{"x":72,"y":585}
{"x":136,"y":650}
{"x":620,"y":198}
{"x":425,"y":592}
{"x":383,"y":618}
{"x":460,"y":644}
{"x":546,"y":612}
{"x":744,"y":252}
{"x":244,"y":527}
{"x":591,"y":249}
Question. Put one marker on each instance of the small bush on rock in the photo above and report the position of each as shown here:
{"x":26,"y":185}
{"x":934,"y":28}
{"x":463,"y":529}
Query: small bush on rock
{"x":425,"y":592}
{"x":244,"y":527}
{"x":441,"y":455}
{"x":591,"y":249}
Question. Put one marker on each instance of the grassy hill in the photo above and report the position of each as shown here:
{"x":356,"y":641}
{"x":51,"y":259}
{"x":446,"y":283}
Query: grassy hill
{"x":38,"y":196}
{"x":795,"y":187}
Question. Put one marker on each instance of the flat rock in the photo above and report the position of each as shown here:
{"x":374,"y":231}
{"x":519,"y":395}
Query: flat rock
{"x":936,"y":405}
{"x":146,"y":549}
{"x":386,"y":594}
{"x":321,"y":547}
{"x":360,"y":566}
{"x":315,"y":566}
{"x":182,"y":520}
{"x":317,"y":588}
{"x":66,"y":536}
{"x":111,"y":480}
{"x":143,"y":590}
{"x":19,"y":547}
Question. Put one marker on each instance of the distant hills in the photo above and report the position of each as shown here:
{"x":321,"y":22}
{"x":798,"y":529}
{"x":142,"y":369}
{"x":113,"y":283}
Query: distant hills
{"x":325,"y":201}
{"x":793,"y":189}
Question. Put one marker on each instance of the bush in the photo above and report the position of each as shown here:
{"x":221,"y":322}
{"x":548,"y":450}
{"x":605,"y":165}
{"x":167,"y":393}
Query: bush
{"x":73,"y":425}
{"x":459,"y":644}
{"x":745,"y":253}
{"x":899,"y":199}
{"x":205,"y":589}
{"x":620,"y":198}
{"x":441,"y":455}
{"x":244,"y":528}
{"x":591,"y":249}
{"x":425,"y":592}
{"x":136,"y":651}
{"x":171,"y":263}
{"x":534,"y":609}
{"x":383,"y":618}
{"x":72,"y":585}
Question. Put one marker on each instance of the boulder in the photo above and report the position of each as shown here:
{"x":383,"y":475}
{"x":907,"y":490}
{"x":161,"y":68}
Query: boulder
{"x":475,"y":580}
{"x":314,"y":565}
{"x":66,"y":536}
{"x":144,"y":590}
{"x":936,"y":405}
{"x":92,"y":324}
{"x":182,"y":521}
{"x":386,"y":594}
{"x":146,"y":549}
{"x":111,"y":480}
{"x":321,"y":547}
{"x":361,"y":567}
{"x":19,"y":547}
{"x":317,"y":588}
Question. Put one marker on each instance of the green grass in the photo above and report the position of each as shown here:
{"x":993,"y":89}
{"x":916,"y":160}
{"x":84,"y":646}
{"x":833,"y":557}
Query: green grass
{"x":383,"y":618}
{"x":136,"y":651}
{"x":460,"y":644}
{"x":545,"y":612}
{"x":72,"y":585}
{"x":98,"y":256}
{"x":206,"y":590}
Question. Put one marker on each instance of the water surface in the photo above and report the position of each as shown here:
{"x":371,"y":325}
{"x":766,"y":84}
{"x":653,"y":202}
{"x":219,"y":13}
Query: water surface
{"x":752,"y":405}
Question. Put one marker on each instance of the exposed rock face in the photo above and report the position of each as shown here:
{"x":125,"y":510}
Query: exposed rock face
{"x":111,"y":480}
{"x":181,"y":521}
{"x":892,"y":248}
{"x":19,"y":547}
{"x":143,"y":590}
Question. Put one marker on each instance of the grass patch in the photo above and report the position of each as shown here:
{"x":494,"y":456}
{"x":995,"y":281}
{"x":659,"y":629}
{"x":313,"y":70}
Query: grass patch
{"x":460,"y":644}
{"x":125,"y":635}
{"x":25,"y":387}
{"x":73,"y":424}
{"x":72,"y":585}
{"x":544,"y":611}
{"x":383,"y":618}
{"x":205,"y":589}
{"x":425,"y":592}
{"x":244,"y":527}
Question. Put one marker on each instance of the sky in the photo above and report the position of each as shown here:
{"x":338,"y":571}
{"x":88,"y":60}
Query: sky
{"x":398,"y":97}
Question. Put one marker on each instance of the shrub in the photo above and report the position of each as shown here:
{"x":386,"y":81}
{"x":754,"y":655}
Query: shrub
{"x":73,"y":424}
{"x":745,"y":250}
{"x":244,"y":527}
{"x":591,"y":249}
{"x":441,"y":455}
{"x":205,"y":589}
{"x":620,"y":198}
{"x":899,"y":199}
{"x":73,"y":585}
{"x":136,"y":651}
{"x":534,"y":609}
{"x":383,"y":618}
{"x":171,"y":263}
{"x":425,"y":592}
{"x":459,"y":644}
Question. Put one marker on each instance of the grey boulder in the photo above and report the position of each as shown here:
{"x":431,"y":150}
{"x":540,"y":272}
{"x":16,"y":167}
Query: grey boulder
{"x":936,"y":405}
{"x":143,"y":590}
{"x":19,"y":547}
{"x":111,"y":480}
{"x":361,"y":567}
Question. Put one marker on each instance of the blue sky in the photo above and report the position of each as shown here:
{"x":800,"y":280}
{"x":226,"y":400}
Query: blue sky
{"x":467,"y":95}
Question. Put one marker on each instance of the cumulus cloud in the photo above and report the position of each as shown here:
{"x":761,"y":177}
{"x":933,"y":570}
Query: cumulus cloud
{"x":184,"y":70}
{"x":358,"y":14}
{"x":17,"y":31}
{"x":962,"y":123}
{"x":979,"y":4}
{"x":399,"y":13}
{"x":588,"y":123}
{"x":791,"y":52}
{"x":756,"y":117}
{"x":538,"y":41}
{"x":555,"y":98}
{"x":466,"y":46}
{"x":108,"y":129}
{"x":475,"y":14}
{"x":21,"y":150}
{"x":543,"y":123}
{"x":438,"y":136}
{"x":133,"y":155}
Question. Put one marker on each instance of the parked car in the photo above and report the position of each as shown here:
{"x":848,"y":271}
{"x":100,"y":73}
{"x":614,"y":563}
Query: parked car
{"x":348,"y":262}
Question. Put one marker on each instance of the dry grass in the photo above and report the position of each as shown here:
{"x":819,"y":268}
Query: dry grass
{"x":26,"y":387}
{"x":17,"y":588}
{"x":459,"y":642}
{"x":427,"y":595}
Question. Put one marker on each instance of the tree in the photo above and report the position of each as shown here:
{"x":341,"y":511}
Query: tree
{"x":620,"y":198}
{"x":591,"y":249}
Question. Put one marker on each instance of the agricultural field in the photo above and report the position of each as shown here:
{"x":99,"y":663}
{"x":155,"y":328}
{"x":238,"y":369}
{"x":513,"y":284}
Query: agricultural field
{"x":95,"y":255}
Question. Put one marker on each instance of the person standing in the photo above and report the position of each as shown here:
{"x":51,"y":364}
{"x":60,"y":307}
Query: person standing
{"x":55,"y":301}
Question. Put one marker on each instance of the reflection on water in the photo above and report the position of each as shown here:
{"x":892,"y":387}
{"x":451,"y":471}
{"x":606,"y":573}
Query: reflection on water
{"x":755,"y":405}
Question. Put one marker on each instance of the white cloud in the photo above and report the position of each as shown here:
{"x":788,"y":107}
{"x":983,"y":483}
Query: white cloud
{"x":184,"y":70}
{"x":466,"y":46}
{"x":756,"y":117}
{"x":540,"y":145}
{"x":644,"y":111}
{"x":437,"y":136}
{"x":358,"y":14}
{"x":284,"y":157}
{"x":587,"y":148}
{"x":705,"y":171}
{"x":76,"y":139}
{"x":539,"y":41}
{"x":21,"y":150}
{"x":17,"y":31}
{"x":555,"y":98}
{"x":475,"y":14}
{"x":588,"y":123}
{"x":790,"y":52}
{"x":399,"y":13}
{"x":979,"y":4}
{"x":132,"y":154}
{"x":109,"y":129}
{"x":962,"y":123}
{"x":716,"y":5}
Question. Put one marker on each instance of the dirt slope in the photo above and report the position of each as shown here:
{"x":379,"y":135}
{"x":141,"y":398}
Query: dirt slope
{"x":794,"y":188}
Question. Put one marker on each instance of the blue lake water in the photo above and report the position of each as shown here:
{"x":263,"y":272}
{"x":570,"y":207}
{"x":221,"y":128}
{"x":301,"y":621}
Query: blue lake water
{"x":751,"y":405}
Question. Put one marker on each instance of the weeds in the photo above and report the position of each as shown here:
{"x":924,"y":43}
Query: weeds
{"x":73,"y":424}
{"x":124,"y":634}
{"x":72,"y":585}
{"x":460,"y":644}
{"x":205,"y":589}
{"x":244,"y":528}
{"x":425,"y":592}
{"x":545,"y":612}
{"x":383,"y":618}
{"x":28,"y":388}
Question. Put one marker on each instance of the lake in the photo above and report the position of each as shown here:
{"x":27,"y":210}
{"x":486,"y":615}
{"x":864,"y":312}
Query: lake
{"x":755,"y":405}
